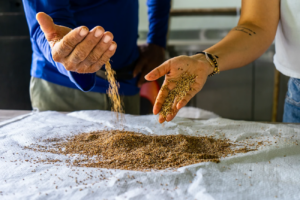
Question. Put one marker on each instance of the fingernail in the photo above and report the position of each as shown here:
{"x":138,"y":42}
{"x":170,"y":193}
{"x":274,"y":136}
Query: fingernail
{"x":98,"y":33}
{"x":83,"y":32}
{"x":106,"y":39}
{"x":112,"y":47}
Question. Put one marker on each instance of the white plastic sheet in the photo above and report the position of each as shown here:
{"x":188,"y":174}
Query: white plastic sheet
{"x":272,"y":172}
{"x":196,"y":113}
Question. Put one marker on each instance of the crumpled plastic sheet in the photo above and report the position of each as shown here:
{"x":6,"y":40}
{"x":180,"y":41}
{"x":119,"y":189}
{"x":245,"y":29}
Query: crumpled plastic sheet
{"x":272,"y":172}
{"x":196,"y":113}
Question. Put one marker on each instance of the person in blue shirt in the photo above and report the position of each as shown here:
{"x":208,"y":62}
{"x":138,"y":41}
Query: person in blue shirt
{"x":73,"y":39}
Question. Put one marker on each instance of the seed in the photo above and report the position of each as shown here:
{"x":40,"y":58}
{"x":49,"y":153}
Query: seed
{"x":136,"y":151}
{"x":183,"y":86}
{"x":113,"y":93}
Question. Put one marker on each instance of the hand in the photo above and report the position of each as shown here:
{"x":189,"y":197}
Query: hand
{"x":194,"y":65}
{"x":79,"y":50}
{"x":151,"y":56}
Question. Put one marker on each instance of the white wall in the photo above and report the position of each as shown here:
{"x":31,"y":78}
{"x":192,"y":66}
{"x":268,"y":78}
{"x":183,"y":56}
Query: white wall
{"x":206,"y":3}
{"x":192,"y":23}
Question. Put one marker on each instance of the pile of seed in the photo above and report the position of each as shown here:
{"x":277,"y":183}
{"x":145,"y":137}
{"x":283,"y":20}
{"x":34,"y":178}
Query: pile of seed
{"x":113,"y":93}
{"x":183,"y":86}
{"x":135,"y":151}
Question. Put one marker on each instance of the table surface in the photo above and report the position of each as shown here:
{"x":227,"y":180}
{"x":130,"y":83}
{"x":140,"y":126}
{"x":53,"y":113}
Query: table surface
{"x":8,"y":114}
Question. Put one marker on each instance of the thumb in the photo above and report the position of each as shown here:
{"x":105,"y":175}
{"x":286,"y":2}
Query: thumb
{"x":159,"y":71}
{"x":47,"y":26}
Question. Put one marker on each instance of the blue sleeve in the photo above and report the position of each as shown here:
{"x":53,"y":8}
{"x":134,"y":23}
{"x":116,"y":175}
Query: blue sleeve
{"x":158,"y":15}
{"x":59,"y":10}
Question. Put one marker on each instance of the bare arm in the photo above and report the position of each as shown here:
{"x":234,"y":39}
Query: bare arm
{"x":252,"y":36}
{"x":243,"y":44}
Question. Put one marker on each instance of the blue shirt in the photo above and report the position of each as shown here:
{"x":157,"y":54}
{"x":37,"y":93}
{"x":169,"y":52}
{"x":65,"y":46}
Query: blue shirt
{"x":117,"y":16}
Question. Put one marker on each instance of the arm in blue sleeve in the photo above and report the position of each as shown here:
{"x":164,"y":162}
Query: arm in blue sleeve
{"x":59,"y":10}
{"x":158,"y":15}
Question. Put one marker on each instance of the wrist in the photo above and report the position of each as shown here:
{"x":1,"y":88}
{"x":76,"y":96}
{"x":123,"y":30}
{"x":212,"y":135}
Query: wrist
{"x":203,"y":63}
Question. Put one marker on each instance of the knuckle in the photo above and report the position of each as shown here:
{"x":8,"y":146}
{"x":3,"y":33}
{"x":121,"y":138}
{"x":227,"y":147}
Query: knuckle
{"x":82,"y":69}
{"x":79,"y":55}
{"x":85,"y":65}
{"x":104,"y":58}
{"x":90,"y":42}
{"x":94,"y":69}
{"x":181,"y":57}
{"x":93,"y":58}
{"x":56,"y":57}
{"x":66,"y":45}
{"x":100,"y":63}
{"x":188,"y":96}
{"x":183,"y":101}
{"x":161,"y":100}
{"x":68,"y":66}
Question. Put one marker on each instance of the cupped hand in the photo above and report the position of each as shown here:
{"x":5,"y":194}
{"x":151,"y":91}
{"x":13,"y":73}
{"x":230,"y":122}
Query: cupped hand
{"x":79,"y":50}
{"x":151,"y":56}
{"x":173,"y":69}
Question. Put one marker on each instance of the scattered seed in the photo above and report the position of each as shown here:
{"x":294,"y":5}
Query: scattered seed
{"x":119,"y":149}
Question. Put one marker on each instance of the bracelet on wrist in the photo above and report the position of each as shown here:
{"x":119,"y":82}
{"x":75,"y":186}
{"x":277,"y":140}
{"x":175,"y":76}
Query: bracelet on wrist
{"x":212,"y":60}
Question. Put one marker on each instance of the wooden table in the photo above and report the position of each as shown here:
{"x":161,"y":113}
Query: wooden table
{"x":8,"y":114}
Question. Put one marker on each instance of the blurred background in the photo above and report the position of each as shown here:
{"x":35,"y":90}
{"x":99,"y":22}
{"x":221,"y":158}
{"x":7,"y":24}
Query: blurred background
{"x":246,"y":93}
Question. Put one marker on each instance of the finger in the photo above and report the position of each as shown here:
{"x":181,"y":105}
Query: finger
{"x":196,"y":87}
{"x":161,"y":119}
{"x":63,"y":49}
{"x":171,"y":116}
{"x":83,"y":49}
{"x":186,"y":99}
{"x":47,"y":25}
{"x":102,"y":52}
{"x":105,"y":57}
{"x":159,"y":71}
{"x":52,"y":31}
{"x":139,"y":66}
{"x":162,"y":95}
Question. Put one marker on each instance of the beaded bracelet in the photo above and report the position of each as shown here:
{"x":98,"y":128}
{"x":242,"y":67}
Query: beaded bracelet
{"x":212,"y":59}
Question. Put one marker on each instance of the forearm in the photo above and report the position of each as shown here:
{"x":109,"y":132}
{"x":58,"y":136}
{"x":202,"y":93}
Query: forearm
{"x":158,"y":15}
{"x":241,"y":46}
{"x":251,"y":38}
{"x":246,"y":42}
{"x":44,"y":48}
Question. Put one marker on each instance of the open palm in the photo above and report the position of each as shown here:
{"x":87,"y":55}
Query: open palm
{"x":173,"y":69}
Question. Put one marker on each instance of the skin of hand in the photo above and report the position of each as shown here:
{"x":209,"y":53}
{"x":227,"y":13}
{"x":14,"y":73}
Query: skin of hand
{"x":172,"y":69}
{"x":79,"y":50}
{"x":255,"y":32}
{"x":151,"y":56}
